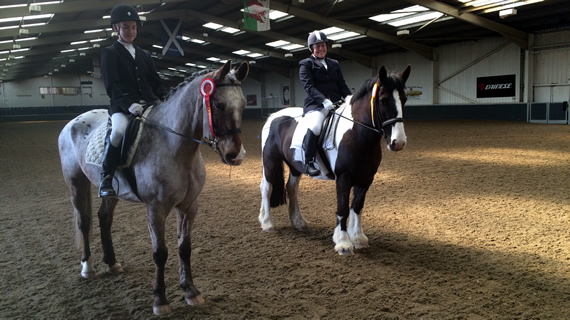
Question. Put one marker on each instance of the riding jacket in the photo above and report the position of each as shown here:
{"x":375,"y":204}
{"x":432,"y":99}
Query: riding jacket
{"x":321,"y":83}
{"x":129,"y":80}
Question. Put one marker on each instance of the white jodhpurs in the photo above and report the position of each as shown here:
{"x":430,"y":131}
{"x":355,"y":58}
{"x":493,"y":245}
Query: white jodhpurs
{"x":119,"y":122}
{"x":314,"y":120}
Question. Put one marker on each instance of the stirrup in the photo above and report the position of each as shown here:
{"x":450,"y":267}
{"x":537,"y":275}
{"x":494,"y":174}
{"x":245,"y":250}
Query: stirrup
{"x":106,"y":190}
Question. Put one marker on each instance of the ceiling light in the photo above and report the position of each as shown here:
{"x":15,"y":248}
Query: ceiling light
{"x":288,"y":55}
{"x":278,"y":43}
{"x":255,"y":55}
{"x":507,"y":12}
{"x":337,"y":45}
{"x":241,"y":52}
{"x":401,"y":33}
{"x":211,"y":25}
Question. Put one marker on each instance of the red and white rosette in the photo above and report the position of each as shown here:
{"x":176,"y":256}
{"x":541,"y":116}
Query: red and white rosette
{"x":207,"y":88}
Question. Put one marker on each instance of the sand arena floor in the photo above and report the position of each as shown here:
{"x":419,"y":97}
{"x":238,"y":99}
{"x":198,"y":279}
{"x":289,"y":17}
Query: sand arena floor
{"x":470,"y":221}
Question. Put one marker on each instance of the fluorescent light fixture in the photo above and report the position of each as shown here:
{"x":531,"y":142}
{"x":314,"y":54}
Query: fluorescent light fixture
{"x":213,"y":59}
{"x":288,"y":55}
{"x":173,"y":69}
{"x":19,"y":50}
{"x":278,"y":43}
{"x":255,"y":55}
{"x":97,"y":40}
{"x":157,"y":46}
{"x":230,"y":30}
{"x":211,"y":25}
{"x":78,"y":42}
{"x":507,"y":12}
{"x":197,"y":41}
{"x":94,"y":30}
{"x":241,"y":52}
{"x":26,"y":39}
{"x":48,"y":2}
{"x":84,"y":48}
{"x":201,"y":66}
{"x":68,"y":50}
{"x":13,"y":6}
{"x":190,"y":64}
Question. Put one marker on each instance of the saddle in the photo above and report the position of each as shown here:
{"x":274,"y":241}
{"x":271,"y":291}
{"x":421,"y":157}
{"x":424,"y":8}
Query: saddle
{"x":327,"y":140}
{"x":131,"y":139}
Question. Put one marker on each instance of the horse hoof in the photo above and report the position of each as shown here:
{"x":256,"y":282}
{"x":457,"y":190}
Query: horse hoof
{"x":360,"y":245}
{"x":161,"y":310}
{"x":116,"y":269}
{"x":196,"y":300}
{"x":345,"y":252}
{"x":269,"y":229}
{"x":89,"y":275}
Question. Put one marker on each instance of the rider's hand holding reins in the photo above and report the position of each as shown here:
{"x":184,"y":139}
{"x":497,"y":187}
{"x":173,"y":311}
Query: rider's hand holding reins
{"x":136,"y":109}
{"x":327,"y":104}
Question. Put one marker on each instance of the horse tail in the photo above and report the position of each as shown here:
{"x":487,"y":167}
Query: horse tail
{"x":278,"y":194}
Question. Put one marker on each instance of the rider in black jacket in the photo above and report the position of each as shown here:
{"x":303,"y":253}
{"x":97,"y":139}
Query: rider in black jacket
{"x":324,"y":83}
{"x":131,"y":81}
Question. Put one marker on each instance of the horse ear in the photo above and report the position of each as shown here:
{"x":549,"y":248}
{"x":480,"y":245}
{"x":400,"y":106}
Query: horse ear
{"x":242,"y":71}
{"x":382,"y":75}
{"x":223,"y":71}
{"x":406,"y":73}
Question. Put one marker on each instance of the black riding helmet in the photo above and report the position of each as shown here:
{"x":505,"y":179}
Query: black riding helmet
{"x":316,"y":37}
{"x":124,"y":12}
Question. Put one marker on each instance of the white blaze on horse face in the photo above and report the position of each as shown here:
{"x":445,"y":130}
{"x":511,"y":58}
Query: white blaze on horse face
{"x":398,"y":138}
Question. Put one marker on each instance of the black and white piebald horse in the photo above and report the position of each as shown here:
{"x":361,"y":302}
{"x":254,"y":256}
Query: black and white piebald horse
{"x":375,"y":110}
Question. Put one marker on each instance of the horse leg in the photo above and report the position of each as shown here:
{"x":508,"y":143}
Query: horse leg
{"x":80,"y":189}
{"x":264,"y":213}
{"x":343,"y":245}
{"x":156,"y":224}
{"x":105,"y":214}
{"x":185,"y":219}
{"x":355,"y":233}
{"x":295,"y":216}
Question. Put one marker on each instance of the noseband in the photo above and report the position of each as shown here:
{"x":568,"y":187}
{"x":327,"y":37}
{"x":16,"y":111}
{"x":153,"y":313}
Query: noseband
{"x":383,"y":124}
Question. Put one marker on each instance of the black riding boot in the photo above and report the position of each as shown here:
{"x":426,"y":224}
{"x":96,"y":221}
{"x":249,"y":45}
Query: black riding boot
{"x":110,"y":162}
{"x":310,"y":146}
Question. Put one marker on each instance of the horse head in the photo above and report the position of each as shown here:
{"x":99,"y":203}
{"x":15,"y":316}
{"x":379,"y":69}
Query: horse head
{"x":390,"y":99}
{"x":228,"y":104}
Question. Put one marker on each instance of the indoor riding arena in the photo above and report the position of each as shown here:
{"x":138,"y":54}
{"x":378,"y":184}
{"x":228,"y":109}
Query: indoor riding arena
{"x":469,"y":221}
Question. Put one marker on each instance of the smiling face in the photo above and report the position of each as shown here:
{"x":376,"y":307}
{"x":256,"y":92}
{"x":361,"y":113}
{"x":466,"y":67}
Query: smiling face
{"x":127,"y":31}
{"x":320,"y":50}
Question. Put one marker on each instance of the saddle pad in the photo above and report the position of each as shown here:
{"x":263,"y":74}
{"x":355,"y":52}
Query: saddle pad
{"x":96,"y":147}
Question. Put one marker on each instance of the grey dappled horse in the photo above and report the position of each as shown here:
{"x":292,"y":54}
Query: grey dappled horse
{"x":168,"y":167}
{"x":375,"y":110}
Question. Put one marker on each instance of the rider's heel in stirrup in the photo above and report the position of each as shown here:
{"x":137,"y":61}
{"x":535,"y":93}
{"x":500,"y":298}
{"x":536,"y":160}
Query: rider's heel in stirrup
{"x":106,"y":187}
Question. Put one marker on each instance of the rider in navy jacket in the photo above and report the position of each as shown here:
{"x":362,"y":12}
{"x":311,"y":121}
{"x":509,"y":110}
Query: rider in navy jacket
{"x":131,"y":81}
{"x":324,"y":83}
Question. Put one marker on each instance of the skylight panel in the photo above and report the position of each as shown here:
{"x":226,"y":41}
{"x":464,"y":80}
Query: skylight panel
{"x":278,"y":43}
{"x":211,"y":25}
{"x":276,"y":14}
{"x":230,"y":30}
{"x":331,"y":30}
{"x":241,"y":52}
{"x":343,"y":35}
{"x":255,"y":55}
{"x":416,"y":19}
{"x":292,"y":46}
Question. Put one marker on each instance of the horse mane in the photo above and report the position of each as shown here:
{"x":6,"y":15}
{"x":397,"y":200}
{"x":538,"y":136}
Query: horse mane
{"x":187,"y":80}
{"x":230,"y":76}
{"x":392,"y":81}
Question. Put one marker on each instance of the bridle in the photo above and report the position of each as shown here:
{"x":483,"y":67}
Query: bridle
{"x":207,"y":89}
{"x":383,"y":124}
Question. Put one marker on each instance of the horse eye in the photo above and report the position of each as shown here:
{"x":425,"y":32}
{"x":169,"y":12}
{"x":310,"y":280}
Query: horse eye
{"x":220,"y":106}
